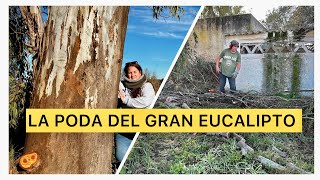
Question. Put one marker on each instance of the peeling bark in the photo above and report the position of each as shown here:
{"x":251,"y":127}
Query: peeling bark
{"x":79,"y":67}
{"x":33,"y":18}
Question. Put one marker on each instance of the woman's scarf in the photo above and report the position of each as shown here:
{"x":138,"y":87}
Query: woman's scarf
{"x":133,"y":84}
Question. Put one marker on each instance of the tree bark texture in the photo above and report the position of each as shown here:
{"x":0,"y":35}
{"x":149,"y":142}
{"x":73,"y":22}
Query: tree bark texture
{"x":33,"y":19}
{"x":79,"y":67}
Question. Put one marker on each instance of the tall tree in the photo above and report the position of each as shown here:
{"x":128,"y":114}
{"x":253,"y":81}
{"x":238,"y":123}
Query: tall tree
{"x":20,"y":78}
{"x":278,"y":18}
{"x":79,"y":62}
{"x":77,"y":59}
{"x":290,"y":18}
{"x":19,"y":69}
{"x":302,"y":17}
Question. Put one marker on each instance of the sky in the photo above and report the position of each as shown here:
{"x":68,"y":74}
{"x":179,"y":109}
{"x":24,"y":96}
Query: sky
{"x":152,"y":42}
{"x":260,"y":12}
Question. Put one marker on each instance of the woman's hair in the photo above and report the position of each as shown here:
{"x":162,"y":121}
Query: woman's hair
{"x":136,"y":92}
{"x":129,"y":64}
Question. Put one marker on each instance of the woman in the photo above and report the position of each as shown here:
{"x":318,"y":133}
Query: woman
{"x":134,"y":92}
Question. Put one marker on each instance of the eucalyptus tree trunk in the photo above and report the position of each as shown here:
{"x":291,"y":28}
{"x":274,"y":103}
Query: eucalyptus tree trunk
{"x":79,"y":66}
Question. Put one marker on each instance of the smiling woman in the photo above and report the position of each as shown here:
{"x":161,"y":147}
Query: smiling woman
{"x":155,"y":42}
{"x":134,"y":92}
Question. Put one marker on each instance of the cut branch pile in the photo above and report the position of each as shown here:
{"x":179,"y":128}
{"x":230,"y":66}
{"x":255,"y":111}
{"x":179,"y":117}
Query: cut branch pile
{"x":246,"y":149}
{"x":252,"y":99}
{"x":170,"y":99}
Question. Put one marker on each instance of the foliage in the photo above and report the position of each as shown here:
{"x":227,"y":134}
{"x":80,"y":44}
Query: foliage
{"x":303,"y":17}
{"x":167,"y":11}
{"x":20,"y":74}
{"x":186,"y":153}
{"x":295,"y":82}
{"x":275,"y":78}
{"x":290,"y":18}
{"x":201,"y":153}
{"x":219,"y":11}
{"x":191,"y":74}
{"x":181,"y":66}
{"x":152,"y":78}
{"x":20,"y":85}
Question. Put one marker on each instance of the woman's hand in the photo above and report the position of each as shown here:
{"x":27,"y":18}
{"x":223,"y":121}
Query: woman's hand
{"x":121,"y":95}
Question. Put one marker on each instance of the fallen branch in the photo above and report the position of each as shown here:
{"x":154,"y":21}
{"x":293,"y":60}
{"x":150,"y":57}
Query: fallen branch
{"x":238,"y":100}
{"x":245,"y":149}
{"x":278,"y":151}
{"x":185,"y":106}
{"x":297,"y":169}
{"x":271,"y":164}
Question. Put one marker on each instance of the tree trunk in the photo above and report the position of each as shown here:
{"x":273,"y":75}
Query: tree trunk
{"x":79,"y":67}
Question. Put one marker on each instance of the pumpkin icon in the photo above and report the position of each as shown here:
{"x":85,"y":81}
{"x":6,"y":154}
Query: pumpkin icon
{"x":29,"y":161}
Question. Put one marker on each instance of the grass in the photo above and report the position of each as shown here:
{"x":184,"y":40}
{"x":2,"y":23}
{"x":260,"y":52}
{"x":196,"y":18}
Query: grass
{"x":14,"y":153}
{"x":185,"y":153}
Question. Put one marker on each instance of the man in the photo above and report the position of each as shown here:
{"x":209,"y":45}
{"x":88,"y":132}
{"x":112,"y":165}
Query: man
{"x":229,"y":67}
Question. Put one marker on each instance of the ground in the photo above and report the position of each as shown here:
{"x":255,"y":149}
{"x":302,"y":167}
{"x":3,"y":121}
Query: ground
{"x":203,"y":153}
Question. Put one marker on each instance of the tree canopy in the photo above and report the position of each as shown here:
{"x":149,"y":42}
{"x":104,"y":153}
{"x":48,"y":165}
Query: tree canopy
{"x":20,"y":73}
{"x":290,"y":18}
{"x":167,"y":11}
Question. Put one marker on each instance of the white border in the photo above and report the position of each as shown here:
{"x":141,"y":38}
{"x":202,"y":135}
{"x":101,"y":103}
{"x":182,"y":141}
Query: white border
{"x":4,"y":74}
{"x":4,"y":84}
{"x":162,"y":2}
{"x":316,"y":89}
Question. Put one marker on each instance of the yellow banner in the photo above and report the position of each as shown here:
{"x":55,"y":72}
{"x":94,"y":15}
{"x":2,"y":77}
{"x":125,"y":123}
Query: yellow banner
{"x":164,"y":120}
